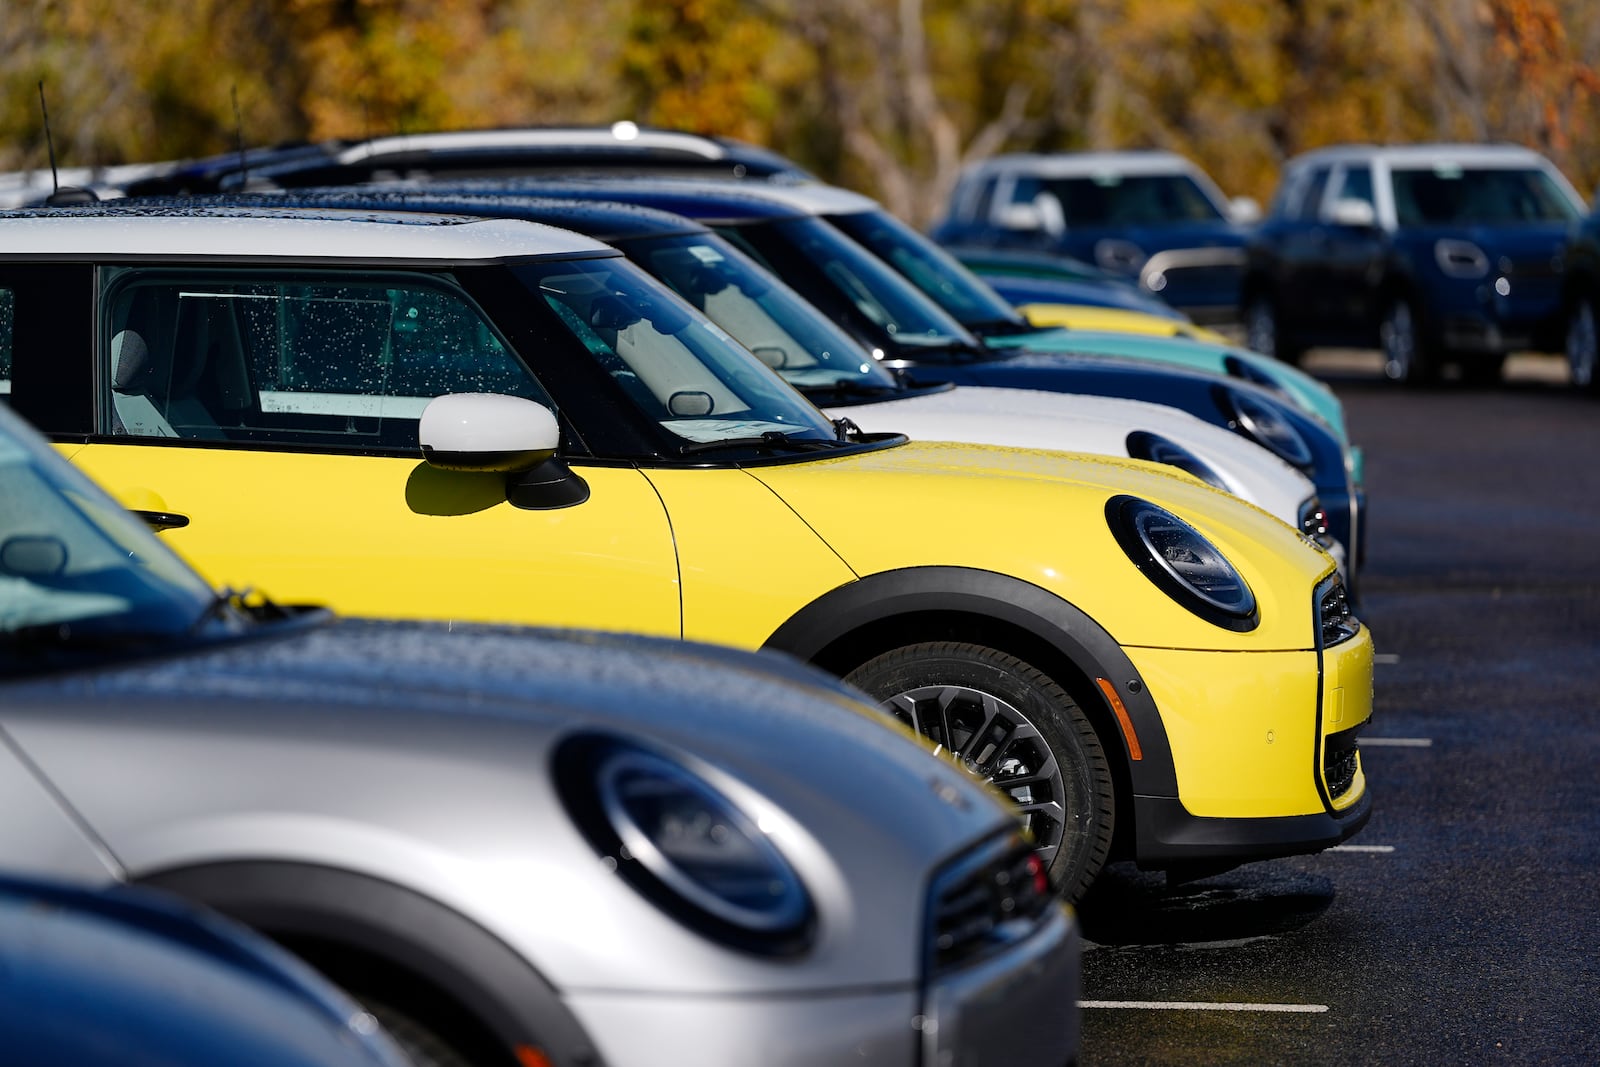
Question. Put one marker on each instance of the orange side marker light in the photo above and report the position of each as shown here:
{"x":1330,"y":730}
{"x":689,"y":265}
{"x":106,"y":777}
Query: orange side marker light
{"x":1110,"y":690}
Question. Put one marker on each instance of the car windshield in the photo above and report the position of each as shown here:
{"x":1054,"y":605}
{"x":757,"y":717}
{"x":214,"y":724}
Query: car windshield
{"x":1113,"y":199}
{"x":825,"y":266}
{"x":1450,"y":195}
{"x":75,"y":565}
{"x":761,"y":312}
{"x":930,"y":268}
{"x":679,"y":368}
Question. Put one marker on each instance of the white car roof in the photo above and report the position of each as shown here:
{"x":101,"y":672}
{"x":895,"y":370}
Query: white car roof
{"x":284,"y":233}
{"x":1428,"y":155}
{"x":1078,"y":164}
{"x":618,"y":134}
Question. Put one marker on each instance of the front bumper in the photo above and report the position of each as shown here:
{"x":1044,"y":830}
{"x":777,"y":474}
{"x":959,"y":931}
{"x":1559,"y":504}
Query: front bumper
{"x":1263,"y":752}
{"x":1020,"y":1006}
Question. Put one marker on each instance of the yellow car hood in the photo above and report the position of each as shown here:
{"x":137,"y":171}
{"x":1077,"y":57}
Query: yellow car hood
{"x":1040,"y":516}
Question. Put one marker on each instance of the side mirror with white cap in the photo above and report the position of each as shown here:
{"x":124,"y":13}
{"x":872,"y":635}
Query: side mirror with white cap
{"x":494,"y":433}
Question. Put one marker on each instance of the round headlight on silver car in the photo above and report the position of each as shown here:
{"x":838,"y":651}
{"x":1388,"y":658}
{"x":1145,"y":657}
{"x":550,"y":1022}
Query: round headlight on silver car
{"x":683,"y":845}
{"x":1157,"y":449}
{"x":1257,"y":419}
{"x":1182,"y":563}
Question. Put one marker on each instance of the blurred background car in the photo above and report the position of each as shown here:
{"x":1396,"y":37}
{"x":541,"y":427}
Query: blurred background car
{"x":113,"y":977}
{"x":1437,"y":254}
{"x":1580,"y":300}
{"x":1150,"y":216}
{"x":512,"y":846}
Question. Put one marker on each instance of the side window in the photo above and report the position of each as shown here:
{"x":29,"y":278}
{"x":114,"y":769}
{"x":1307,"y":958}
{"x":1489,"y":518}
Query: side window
{"x":8,"y":319}
{"x":1310,"y":199}
{"x":341,"y":362}
{"x":1356,"y":184}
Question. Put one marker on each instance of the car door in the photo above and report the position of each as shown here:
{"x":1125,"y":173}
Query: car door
{"x":1299,"y":240}
{"x":271,"y":418}
{"x":1353,"y":252}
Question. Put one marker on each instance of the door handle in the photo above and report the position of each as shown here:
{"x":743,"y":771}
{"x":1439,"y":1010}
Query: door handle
{"x":162,"y":520}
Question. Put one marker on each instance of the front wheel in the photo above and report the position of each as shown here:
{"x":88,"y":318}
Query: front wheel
{"x":1263,"y":330}
{"x":1583,"y":345}
{"x":1013,"y":726}
{"x":1405,"y":356}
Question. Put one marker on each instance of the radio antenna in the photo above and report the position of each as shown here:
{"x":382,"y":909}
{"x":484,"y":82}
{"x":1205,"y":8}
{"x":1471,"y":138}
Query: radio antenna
{"x":58,"y":196}
{"x":50,"y":142}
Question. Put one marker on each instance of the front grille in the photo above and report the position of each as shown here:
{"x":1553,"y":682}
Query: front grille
{"x":1340,"y":761}
{"x":988,"y":899}
{"x":1338,"y":623}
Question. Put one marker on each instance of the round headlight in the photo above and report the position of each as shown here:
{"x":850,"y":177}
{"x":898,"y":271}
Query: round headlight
{"x":1182,"y":563}
{"x":1259,"y":419}
{"x":1158,"y":449}
{"x":685,"y":846}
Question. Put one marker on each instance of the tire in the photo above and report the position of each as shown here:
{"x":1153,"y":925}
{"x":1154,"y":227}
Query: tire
{"x":1406,"y":356}
{"x":1583,"y":346}
{"x":1263,"y":330}
{"x":423,"y":1047}
{"x":1015,"y":727}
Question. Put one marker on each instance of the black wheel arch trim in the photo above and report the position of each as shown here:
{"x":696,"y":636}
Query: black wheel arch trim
{"x":397,"y":925}
{"x":818,"y":632}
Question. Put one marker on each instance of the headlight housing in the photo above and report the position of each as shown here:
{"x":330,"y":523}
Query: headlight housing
{"x":1460,"y":259}
{"x":1246,"y":371}
{"x":1157,"y":449}
{"x":683,"y":845}
{"x":1179,"y":560}
{"x":1258,"y":419}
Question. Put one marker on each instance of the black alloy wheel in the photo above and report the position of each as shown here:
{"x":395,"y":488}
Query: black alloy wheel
{"x":1406,"y":358}
{"x":1014,"y":727}
{"x":1583,"y":345}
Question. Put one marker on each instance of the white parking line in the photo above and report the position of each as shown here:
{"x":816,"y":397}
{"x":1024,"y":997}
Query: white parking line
{"x":1396,"y":742}
{"x":1181,"y":1005}
{"x":1386,"y":657}
{"x":1381,"y":850}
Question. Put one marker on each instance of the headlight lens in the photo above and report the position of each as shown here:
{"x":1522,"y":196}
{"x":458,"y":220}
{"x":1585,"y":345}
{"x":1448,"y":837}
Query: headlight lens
{"x":1158,"y":449}
{"x":1182,"y":563}
{"x":684,"y":845}
{"x":1460,"y":259}
{"x":1263,"y":423}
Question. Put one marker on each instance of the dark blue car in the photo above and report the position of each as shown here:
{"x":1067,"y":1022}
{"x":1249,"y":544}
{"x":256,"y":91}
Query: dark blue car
{"x":1151,"y":217}
{"x":1437,"y":254}
{"x":1581,"y":302}
{"x":109,"y":978}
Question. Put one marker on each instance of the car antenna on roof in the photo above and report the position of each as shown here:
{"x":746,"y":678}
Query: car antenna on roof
{"x":72,"y":194}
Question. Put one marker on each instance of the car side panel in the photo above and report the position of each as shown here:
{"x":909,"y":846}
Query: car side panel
{"x":395,"y":537}
{"x":38,"y":834}
{"x":748,"y":561}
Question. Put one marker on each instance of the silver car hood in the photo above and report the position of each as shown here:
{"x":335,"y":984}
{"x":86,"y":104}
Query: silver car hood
{"x":420,"y":754}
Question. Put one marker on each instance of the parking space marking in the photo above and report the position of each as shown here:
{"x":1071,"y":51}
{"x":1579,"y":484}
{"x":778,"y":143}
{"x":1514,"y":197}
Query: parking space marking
{"x":1396,"y":742}
{"x":1183,"y":1005}
{"x":1386,"y":657}
{"x":1377,"y":849}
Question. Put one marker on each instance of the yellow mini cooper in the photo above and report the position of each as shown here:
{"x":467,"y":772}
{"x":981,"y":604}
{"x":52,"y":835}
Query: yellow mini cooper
{"x":489,"y":420}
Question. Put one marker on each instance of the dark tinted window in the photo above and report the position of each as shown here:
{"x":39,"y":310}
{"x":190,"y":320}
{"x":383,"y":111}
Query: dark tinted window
{"x":1357,"y":185}
{"x":1451,"y":195}
{"x":1129,"y":199}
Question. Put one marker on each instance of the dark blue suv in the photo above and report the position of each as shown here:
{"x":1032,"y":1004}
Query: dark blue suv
{"x":1437,"y":254}
{"x":1151,"y":217}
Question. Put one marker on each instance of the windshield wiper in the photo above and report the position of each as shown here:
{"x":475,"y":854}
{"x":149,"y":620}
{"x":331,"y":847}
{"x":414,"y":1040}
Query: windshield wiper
{"x":771,"y":439}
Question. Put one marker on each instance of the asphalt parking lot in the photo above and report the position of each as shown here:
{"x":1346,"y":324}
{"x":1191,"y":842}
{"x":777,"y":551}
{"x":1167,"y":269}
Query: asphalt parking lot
{"x":1461,"y":926}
